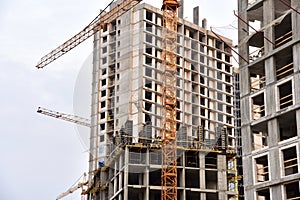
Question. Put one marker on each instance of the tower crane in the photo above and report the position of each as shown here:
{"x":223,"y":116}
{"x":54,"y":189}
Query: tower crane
{"x":168,"y":130}
{"x":66,"y":117}
{"x":76,"y":187}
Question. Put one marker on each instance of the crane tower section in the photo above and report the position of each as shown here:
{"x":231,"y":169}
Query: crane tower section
{"x":168,"y":132}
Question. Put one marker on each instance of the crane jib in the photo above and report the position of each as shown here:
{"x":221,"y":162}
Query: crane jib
{"x":97,"y":24}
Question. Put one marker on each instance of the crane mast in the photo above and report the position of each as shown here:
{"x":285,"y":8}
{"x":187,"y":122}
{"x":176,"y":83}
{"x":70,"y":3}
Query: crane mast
{"x":168,"y":132}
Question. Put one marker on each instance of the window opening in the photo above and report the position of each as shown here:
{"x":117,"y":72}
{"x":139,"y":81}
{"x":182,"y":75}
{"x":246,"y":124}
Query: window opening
{"x":290,"y":162}
{"x":262,"y":169}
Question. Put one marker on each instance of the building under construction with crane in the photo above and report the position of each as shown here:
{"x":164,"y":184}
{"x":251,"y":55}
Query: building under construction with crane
{"x":162,"y":121}
{"x":129,"y":114}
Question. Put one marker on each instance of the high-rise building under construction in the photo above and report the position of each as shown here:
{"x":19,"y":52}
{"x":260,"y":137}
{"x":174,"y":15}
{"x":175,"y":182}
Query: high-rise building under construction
{"x":270,"y":97}
{"x":125,"y":161}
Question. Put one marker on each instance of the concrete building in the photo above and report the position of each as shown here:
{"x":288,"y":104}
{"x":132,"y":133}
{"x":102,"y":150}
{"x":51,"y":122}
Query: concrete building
{"x":270,"y":97}
{"x":126,"y":110}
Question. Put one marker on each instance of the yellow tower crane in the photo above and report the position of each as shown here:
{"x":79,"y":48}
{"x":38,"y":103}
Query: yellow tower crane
{"x":81,"y":185}
{"x":168,"y":131}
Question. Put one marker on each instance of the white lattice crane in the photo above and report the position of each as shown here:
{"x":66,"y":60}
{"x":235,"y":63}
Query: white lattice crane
{"x":97,"y":24}
{"x":81,"y":185}
{"x":67,"y":117}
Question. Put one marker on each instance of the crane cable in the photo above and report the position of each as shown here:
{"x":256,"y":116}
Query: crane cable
{"x":98,"y":16}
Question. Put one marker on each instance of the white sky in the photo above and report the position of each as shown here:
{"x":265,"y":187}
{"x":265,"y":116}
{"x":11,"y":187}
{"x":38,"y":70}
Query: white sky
{"x":41,"y":156}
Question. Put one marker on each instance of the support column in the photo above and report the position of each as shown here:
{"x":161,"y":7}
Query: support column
{"x":183,"y":175}
{"x":270,"y":69}
{"x":274,"y":164}
{"x":273,"y":132}
{"x":110,"y":184}
{"x":248,"y":177}
{"x":296,"y":51}
{"x":298,"y":121}
{"x":126,"y":154}
{"x":243,"y":46}
{"x":250,"y":194}
{"x":245,"y":110}
{"x":247,"y":140}
{"x":115,"y":181}
{"x":196,"y":15}
{"x":268,"y":17}
{"x":295,"y":20}
{"x":276,"y":192}
{"x":222,"y":177}
{"x":202,"y":174}
{"x":121,"y":175}
{"x":270,"y":100}
{"x":245,"y":82}
{"x":146,"y":175}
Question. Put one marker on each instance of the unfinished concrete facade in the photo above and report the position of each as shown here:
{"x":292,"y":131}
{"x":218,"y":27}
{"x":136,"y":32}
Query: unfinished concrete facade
{"x":270,"y":97}
{"x":126,"y":110}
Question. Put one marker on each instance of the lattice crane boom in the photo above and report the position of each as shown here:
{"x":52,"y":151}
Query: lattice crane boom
{"x":168,"y":132}
{"x":67,"y":117}
{"x":76,"y":187}
{"x":97,"y":24}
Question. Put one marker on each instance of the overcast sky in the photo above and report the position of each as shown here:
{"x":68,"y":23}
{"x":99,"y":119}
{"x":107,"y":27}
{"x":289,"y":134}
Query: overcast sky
{"x":40,"y":157}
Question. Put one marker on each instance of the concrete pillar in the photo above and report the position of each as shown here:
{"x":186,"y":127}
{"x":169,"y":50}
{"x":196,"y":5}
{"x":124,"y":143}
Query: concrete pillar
{"x":202,"y":170}
{"x":204,"y":23}
{"x":270,"y":70}
{"x":110,"y":184}
{"x":115,"y":181}
{"x":274,"y":164}
{"x":298,"y":121}
{"x":296,"y":51}
{"x":121,"y":164}
{"x":250,"y":194}
{"x":196,"y":15}
{"x":183,"y":176}
{"x":222,"y":176}
{"x":126,"y":154}
{"x":243,"y":47}
{"x":273,"y":132}
{"x":245,"y":110}
{"x":295,"y":20}
{"x":244,"y":81}
{"x":248,"y":176}
{"x":276,"y":192}
{"x":181,"y":10}
{"x":146,"y":175}
{"x":202,"y":174}
{"x":270,"y":100}
{"x":269,"y":16}
{"x":246,"y":140}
